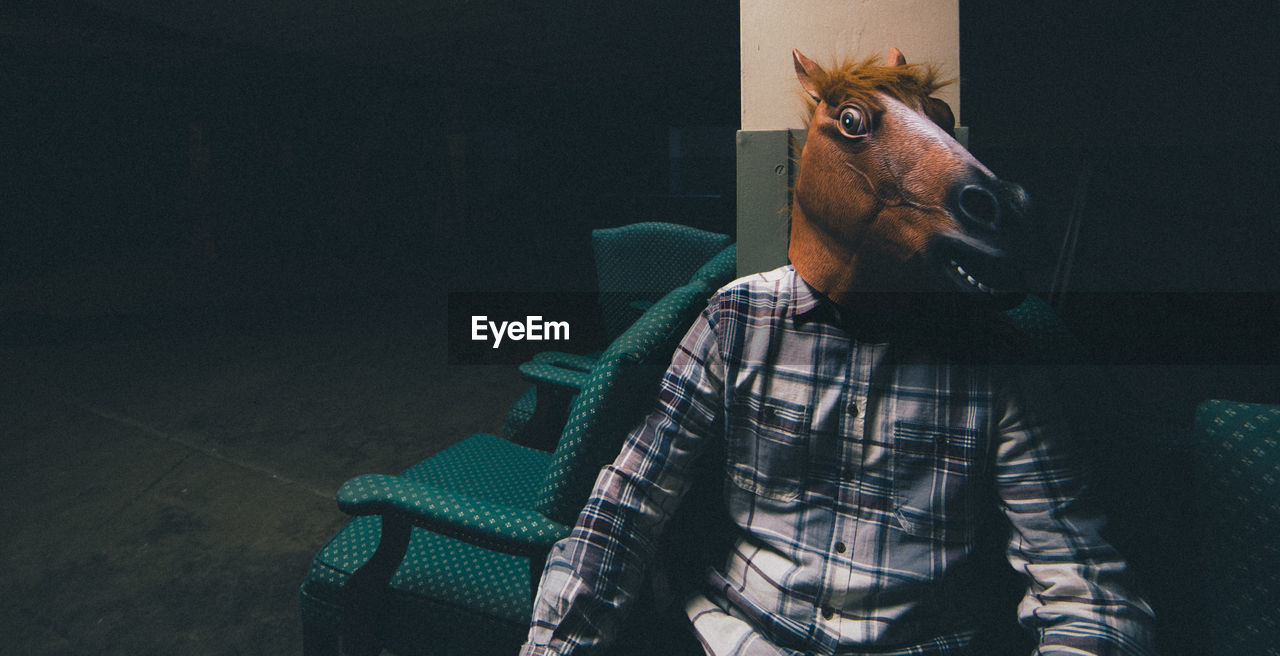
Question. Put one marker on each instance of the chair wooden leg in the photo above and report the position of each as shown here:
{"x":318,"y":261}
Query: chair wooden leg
{"x":365,"y":594}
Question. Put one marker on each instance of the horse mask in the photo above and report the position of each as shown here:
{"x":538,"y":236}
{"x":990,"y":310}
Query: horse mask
{"x":887,"y":204}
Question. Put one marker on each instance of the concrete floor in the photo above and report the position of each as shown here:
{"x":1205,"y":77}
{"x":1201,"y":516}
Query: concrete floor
{"x":163,"y":494}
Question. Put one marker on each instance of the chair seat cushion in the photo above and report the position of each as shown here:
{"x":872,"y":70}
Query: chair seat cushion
{"x":439,"y":573}
{"x":486,"y":467}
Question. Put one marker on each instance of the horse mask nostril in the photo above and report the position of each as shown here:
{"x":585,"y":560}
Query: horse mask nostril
{"x":978,"y":204}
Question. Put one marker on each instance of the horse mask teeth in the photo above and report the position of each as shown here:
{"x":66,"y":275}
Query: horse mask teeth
{"x":969,"y":278}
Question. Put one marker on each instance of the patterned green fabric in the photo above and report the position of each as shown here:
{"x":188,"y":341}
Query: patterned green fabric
{"x":1086,"y":393}
{"x":635,"y":266}
{"x":644,"y":261}
{"x":549,"y":373}
{"x":566,"y":369}
{"x":721,"y":269}
{"x":520,"y":412}
{"x":1239,"y":475}
{"x":442,"y":581}
{"x":485,"y":467}
{"x":1048,"y":336}
{"x":479,"y":522}
{"x":615,"y":397}
{"x":492,"y":491}
{"x":567,"y":360}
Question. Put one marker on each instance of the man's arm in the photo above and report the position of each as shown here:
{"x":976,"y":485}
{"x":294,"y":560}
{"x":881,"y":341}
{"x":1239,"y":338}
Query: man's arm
{"x":593,"y":574}
{"x":1079,"y":600}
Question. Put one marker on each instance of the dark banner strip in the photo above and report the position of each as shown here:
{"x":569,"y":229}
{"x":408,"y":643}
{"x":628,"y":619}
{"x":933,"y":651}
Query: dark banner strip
{"x":511,"y":327}
{"x":1122,"y":328}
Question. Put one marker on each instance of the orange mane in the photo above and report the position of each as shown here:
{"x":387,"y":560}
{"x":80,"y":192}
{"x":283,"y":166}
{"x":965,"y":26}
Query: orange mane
{"x":857,"y":80}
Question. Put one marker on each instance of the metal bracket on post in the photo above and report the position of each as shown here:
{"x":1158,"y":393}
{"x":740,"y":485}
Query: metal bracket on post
{"x":766,"y":169}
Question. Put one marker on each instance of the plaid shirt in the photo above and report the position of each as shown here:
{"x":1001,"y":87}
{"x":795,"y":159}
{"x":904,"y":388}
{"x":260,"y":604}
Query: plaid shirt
{"x":856,"y":470}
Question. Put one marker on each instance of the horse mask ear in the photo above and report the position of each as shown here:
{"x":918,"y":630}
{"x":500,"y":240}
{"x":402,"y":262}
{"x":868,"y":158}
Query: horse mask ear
{"x":936,"y":109}
{"x":806,"y":71}
{"x":939,"y":112}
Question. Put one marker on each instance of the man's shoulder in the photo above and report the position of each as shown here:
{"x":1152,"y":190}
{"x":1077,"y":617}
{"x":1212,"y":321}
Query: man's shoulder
{"x":747,"y":309}
{"x":764,"y":289}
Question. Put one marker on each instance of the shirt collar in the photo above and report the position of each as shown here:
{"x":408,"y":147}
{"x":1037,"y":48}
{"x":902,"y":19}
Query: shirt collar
{"x":807,"y":303}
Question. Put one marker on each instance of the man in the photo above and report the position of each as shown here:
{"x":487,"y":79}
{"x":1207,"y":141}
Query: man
{"x":867,"y":429}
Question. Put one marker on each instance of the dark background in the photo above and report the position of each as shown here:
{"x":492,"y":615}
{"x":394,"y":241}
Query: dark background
{"x":1154,"y":125}
{"x":228,"y":167}
{"x":183,"y":168}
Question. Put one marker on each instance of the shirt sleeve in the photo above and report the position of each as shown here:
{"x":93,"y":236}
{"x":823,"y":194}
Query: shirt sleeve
{"x":1079,"y":599}
{"x":593,"y":574}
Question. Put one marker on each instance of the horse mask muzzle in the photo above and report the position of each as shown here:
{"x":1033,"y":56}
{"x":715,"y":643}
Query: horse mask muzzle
{"x":984,"y":258}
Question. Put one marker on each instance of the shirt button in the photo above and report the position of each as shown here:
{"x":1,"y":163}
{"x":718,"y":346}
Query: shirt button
{"x":854,"y":411}
{"x":841,"y":548}
{"x":828,"y":614}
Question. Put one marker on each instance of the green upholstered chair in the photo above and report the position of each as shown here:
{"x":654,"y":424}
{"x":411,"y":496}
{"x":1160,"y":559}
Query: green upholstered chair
{"x":1047,"y":336}
{"x":1087,"y":393}
{"x":636,"y":265}
{"x":721,"y":269}
{"x":716,"y":272}
{"x":1237,"y":521}
{"x":442,"y":558}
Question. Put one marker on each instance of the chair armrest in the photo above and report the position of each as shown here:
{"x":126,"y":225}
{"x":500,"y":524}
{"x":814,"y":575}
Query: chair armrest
{"x":570,"y":380}
{"x":582,"y":363}
{"x":517,"y":531}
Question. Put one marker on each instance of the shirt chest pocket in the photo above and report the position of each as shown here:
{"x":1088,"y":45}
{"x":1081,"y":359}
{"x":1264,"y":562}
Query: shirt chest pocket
{"x":934,"y":480}
{"x":767,"y":450}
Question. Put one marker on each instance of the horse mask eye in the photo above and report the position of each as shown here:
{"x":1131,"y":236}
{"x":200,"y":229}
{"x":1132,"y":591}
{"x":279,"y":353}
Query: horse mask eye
{"x":852,"y":123}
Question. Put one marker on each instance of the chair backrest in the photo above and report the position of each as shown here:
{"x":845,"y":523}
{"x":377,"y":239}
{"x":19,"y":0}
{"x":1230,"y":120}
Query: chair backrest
{"x":644,"y":261}
{"x":719,"y":270}
{"x":1237,"y":469}
{"x":1088,"y":395}
{"x":1048,"y":337}
{"x":619,"y":391}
